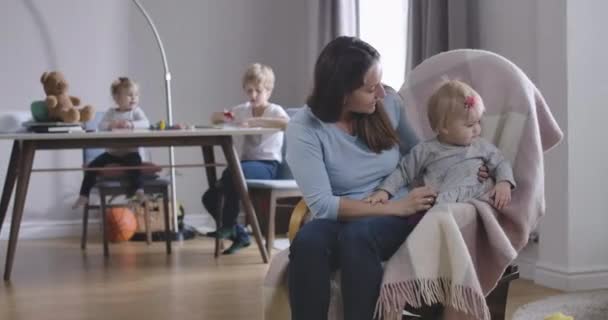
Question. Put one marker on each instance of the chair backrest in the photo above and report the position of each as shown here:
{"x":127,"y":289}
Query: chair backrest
{"x":284,"y":171}
{"x":89,"y":154}
{"x":507,"y":93}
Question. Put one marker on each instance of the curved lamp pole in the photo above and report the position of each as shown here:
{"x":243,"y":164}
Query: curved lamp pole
{"x":169,"y":108}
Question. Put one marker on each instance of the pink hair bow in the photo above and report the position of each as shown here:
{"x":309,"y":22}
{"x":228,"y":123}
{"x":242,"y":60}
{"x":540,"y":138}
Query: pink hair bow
{"x":469,"y":102}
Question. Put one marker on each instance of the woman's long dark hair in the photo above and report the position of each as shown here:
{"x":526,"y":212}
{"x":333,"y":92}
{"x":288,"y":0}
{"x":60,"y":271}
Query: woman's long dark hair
{"x":340,"y":70}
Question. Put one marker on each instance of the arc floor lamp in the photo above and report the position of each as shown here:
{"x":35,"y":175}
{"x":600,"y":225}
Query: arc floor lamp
{"x":169,"y":107}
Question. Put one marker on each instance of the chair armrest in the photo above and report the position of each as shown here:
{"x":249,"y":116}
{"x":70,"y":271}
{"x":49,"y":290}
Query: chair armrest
{"x":299,"y":216}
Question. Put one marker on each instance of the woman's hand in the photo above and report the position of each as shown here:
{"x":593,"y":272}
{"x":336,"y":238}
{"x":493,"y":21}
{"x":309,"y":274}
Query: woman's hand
{"x":379,"y":196}
{"x":483,"y":173}
{"x":501,"y":194}
{"x":419,"y":199}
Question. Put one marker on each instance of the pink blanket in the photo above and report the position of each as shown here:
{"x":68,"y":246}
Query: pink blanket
{"x":458,"y":252}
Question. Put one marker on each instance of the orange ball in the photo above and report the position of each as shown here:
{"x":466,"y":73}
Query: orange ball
{"x":121,"y":224}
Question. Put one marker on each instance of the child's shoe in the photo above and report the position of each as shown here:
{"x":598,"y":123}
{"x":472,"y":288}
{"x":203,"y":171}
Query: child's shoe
{"x":80,"y":202}
{"x":223,"y":233}
{"x":240,"y":240}
{"x":238,"y":244}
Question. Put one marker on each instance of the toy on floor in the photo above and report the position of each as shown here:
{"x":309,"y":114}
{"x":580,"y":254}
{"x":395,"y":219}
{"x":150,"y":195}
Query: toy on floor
{"x":121,"y":224}
{"x":61,"y":106}
{"x":559,"y":316}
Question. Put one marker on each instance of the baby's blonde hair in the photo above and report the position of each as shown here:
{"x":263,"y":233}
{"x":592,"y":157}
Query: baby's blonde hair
{"x":452,"y":101}
{"x":123,"y":83}
{"x":259,"y":74}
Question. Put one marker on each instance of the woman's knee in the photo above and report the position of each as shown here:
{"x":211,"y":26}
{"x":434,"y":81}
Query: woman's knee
{"x":314,"y":240}
{"x":379,"y":237}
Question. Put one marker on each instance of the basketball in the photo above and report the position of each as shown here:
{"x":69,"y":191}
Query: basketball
{"x":121,"y":224}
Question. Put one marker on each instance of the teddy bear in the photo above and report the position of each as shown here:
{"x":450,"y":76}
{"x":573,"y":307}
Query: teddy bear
{"x":61,"y":106}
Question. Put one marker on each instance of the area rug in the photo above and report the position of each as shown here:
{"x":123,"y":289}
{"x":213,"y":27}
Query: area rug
{"x":590,"y":305}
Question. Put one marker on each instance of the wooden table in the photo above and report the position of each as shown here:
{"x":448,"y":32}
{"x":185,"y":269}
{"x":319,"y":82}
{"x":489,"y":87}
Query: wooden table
{"x":25,"y":146}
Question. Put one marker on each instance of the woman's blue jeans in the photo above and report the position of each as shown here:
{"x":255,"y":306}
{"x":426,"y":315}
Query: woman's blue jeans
{"x":357,"y":248}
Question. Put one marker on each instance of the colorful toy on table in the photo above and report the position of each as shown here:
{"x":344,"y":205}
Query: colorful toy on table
{"x":162,"y":125}
{"x":228,"y":116}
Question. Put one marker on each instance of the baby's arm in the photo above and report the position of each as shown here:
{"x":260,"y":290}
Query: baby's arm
{"x":395,"y":181}
{"x":501,"y":194}
{"x":406,"y":171}
{"x":106,"y":122}
{"x":139,"y":121}
{"x":503,"y":172}
{"x":497,"y":164}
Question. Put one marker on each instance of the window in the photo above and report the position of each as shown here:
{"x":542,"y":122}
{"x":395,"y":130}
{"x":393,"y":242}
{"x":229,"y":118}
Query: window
{"x":383,"y":24}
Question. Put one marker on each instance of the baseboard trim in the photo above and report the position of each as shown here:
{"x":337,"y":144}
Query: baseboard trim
{"x":33,"y":230}
{"x":551,"y":276}
{"x":527,"y":267}
{"x":52,"y":229}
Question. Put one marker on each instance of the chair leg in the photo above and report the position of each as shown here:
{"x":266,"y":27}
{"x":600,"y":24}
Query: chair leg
{"x":85,"y":224}
{"x":146,"y":209}
{"x":219,"y":243}
{"x":271,"y":223}
{"x":497,"y":301}
{"x":166,"y":215}
{"x":104,"y":225}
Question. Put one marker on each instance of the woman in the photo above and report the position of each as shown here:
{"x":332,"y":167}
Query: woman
{"x":339,"y":148}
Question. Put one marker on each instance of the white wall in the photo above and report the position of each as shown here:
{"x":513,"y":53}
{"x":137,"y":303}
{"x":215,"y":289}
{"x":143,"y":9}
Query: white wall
{"x":84,"y":39}
{"x":558,"y":44}
{"x":587,"y":114}
{"x":208,"y":43}
{"x":553,"y":77}
{"x":508,"y":28}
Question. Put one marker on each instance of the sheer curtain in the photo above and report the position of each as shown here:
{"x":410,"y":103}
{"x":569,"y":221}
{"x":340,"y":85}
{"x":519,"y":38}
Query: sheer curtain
{"x":385,"y":27}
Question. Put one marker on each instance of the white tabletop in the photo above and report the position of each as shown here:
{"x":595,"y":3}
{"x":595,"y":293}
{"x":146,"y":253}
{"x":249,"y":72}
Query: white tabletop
{"x":222,"y":131}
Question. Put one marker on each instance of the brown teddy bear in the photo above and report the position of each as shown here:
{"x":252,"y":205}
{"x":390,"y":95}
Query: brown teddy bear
{"x":62,"y":107}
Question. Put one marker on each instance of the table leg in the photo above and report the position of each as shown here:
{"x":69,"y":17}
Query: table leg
{"x":23,"y":179}
{"x":9,"y":181}
{"x":239,"y":181}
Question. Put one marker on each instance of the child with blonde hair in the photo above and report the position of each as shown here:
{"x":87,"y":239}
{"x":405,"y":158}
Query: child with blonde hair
{"x":127,"y":115}
{"x":449,"y":162}
{"x":260,"y":156}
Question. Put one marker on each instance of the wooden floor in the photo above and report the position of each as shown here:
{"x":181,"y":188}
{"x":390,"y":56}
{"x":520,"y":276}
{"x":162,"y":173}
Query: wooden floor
{"x":55,"y":280}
